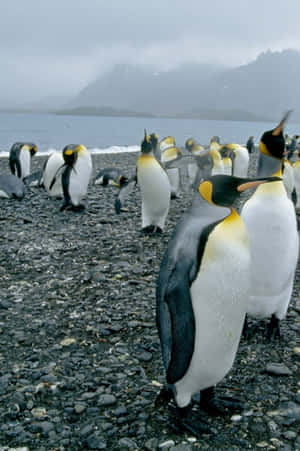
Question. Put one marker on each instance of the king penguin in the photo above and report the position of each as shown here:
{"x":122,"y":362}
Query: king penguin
{"x":20,"y":156}
{"x":270,"y":218}
{"x":76,"y":175}
{"x":202,"y":291}
{"x":53,"y":165}
{"x":240,"y":159}
{"x":155,"y":189}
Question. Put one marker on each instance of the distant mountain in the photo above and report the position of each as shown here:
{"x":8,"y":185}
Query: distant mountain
{"x":260,"y":90}
{"x":140,"y":88}
{"x":267,"y":86}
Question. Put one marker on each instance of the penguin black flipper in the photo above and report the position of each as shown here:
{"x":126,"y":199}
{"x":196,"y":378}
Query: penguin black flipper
{"x":65,"y":180}
{"x":179,"y":315}
{"x":174,"y":314}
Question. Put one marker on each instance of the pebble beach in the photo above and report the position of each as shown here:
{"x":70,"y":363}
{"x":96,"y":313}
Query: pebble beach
{"x":80,"y":359}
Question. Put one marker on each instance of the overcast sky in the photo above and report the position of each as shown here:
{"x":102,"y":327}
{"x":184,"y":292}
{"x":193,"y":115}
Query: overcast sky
{"x":55,"y":47}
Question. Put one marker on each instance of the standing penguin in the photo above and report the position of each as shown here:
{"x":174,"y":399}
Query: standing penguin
{"x":202,"y":292}
{"x":20,"y":156}
{"x":76,"y":175}
{"x":240,"y":159}
{"x":270,"y":218}
{"x":155,"y":189}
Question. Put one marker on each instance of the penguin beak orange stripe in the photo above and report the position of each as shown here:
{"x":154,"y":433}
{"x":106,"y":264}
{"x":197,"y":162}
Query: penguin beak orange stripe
{"x":248,"y":185}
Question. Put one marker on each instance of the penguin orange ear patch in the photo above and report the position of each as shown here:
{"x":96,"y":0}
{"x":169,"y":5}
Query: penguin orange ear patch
{"x":68,"y":152}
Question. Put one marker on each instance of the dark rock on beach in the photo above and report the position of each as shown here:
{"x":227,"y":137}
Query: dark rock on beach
{"x":80,"y":362}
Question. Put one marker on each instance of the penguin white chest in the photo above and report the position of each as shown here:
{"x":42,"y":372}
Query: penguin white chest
{"x":241,"y":162}
{"x":155,"y":190}
{"x":24,"y":162}
{"x":79,"y":178}
{"x":271,"y":223}
{"x":219,"y":300}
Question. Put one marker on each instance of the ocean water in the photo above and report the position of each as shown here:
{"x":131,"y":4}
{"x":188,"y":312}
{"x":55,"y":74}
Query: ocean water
{"x":117,"y":134}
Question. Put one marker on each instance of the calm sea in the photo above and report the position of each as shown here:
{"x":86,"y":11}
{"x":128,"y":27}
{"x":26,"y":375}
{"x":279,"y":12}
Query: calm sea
{"x":116,"y":134}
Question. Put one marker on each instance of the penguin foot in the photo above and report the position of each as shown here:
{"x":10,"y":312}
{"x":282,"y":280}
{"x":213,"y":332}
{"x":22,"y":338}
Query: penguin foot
{"x":273,"y":329}
{"x":215,"y":405}
{"x":77,"y":208}
{"x":148,"y":229}
{"x":152,"y":229}
{"x":186,"y":420}
{"x":163,"y":397}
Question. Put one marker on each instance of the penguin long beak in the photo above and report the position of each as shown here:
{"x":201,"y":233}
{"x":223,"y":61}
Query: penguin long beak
{"x":254,"y":183}
{"x":281,"y":124}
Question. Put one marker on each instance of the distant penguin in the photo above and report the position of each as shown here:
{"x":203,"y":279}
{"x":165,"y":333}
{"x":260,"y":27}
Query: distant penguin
{"x":111,"y":176}
{"x":194,"y":149}
{"x":169,"y":154}
{"x":52,"y":171}
{"x":250,"y":144}
{"x":227,"y":157}
{"x":202,"y":291}
{"x":11,"y":186}
{"x":240,"y":160}
{"x":75,"y":176}
{"x":270,"y":218}
{"x":155,"y":189}
{"x":20,"y":156}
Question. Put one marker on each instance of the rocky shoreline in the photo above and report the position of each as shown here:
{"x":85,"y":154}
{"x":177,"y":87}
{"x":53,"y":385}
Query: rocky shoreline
{"x":79,"y":351}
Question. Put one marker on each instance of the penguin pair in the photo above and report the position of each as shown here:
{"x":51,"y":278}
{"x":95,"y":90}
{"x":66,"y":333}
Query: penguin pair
{"x":155,"y":189}
{"x":75,"y":174}
{"x":202,"y":292}
{"x":270,"y":218}
{"x":20,"y":155}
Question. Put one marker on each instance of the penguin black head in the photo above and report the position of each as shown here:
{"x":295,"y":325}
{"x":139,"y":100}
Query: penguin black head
{"x":122,"y":180}
{"x":223,"y":190}
{"x":215,"y":139}
{"x":70,"y":155}
{"x":32,"y":149}
{"x":146,"y":146}
{"x":154,"y":140}
{"x":272,"y":142}
{"x":226,"y":152}
{"x":189,"y":144}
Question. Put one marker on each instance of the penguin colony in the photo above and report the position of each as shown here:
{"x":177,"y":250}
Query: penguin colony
{"x":200,"y":317}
